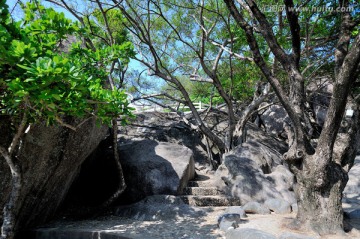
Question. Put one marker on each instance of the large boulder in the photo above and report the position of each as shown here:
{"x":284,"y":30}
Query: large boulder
{"x":50,"y":158}
{"x":241,"y":178}
{"x":272,"y":145}
{"x":5,"y":176}
{"x":260,"y":154}
{"x":284,"y":182}
{"x":278,"y":206}
{"x":352,"y":189}
{"x":275,"y":119}
{"x":164,"y":127}
{"x":256,"y":208}
{"x":254,"y":171}
{"x":152,"y":167}
{"x":320,"y":91}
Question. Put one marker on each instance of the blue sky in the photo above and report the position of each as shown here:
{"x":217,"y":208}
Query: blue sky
{"x":17,"y":11}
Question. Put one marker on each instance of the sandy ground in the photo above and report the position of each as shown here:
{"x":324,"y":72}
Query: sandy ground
{"x":276,"y":224}
{"x":188,"y":227}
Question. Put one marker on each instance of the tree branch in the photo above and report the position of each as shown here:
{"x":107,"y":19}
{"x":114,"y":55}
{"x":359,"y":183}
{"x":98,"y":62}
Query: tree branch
{"x":246,"y":114}
{"x":19,"y":133}
{"x":62,"y":123}
{"x":63,"y":4}
{"x":295,"y":31}
{"x":345,"y":78}
{"x":267,"y":33}
{"x":5,"y":153}
{"x":344,"y":40}
{"x":223,"y":46}
{"x":289,"y":106}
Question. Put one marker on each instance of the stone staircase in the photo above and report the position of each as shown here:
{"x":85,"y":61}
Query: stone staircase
{"x":202,"y":193}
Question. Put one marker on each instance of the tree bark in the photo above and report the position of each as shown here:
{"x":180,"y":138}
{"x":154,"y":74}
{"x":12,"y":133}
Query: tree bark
{"x":8,"y":227}
{"x":122,"y":184}
{"x":239,"y":133}
{"x":320,"y":208}
{"x":9,"y":218}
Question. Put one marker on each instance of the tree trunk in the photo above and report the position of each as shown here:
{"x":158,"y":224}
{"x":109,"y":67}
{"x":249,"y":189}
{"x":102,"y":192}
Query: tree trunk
{"x":122,"y":184}
{"x":8,"y":227}
{"x":240,"y":132}
{"x":9,"y":218}
{"x":320,"y":206}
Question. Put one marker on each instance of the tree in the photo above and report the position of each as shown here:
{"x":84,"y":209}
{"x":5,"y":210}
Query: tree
{"x":45,"y":79}
{"x":177,"y":55}
{"x":175,"y":43}
{"x":289,"y":46}
{"x":320,"y":171}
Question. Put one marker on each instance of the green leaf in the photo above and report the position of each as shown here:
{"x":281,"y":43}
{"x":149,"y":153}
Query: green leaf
{"x":24,"y":67}
{"x":57,"y":97}
{"x":56,"y":83}
{"x":29,"y":80}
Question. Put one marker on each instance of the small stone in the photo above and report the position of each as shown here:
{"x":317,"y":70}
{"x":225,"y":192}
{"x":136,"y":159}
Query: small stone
{"x":256,"y":208}
{"x":238,"y":210}
{"x":278,"y":206}
{"x":228,"y":220}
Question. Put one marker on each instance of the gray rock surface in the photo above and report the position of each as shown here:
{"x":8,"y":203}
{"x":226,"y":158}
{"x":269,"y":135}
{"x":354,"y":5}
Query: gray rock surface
{"x":241,"y":178}
{"x":284,"y":182}
{"x":228,"y":220}
{"x":260,"y":154}
{"x":294,"y":207}
{"x":275,"y":119}
{"x":236,"y":209}
{"x":248,"y":233}
{"x":51,"y":158}
{"x":354,"y":214}
{"x":163,"y":127}
{"x":254,"y":170}
{"x":272,"y":146}
{"x":353,"y":185}
{"x":158,"y":207}
{"x":256,"y":208}
{"x":278,"y":206}
{"x":320,"y":103}
{"x":152,"y":168}
{"x":320,"y":93}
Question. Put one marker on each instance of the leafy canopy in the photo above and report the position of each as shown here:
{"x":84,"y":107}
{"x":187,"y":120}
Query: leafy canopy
{"x":46,"y":77}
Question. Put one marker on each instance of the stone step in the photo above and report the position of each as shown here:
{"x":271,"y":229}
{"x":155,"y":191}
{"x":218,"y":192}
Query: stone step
{"x":202,"y":191}
{"x":201,"y":177}
{"x":213,"y":201}
{"x":198,"y":183}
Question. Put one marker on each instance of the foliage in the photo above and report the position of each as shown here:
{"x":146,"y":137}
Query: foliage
{"x":115,"y":22}
{"x":176,"y":32}
{"x":45,"y":77}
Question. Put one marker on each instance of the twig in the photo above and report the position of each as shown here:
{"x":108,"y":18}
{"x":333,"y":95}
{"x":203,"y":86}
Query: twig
{"x":62,"y":123}
{"x":18,"y":134}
